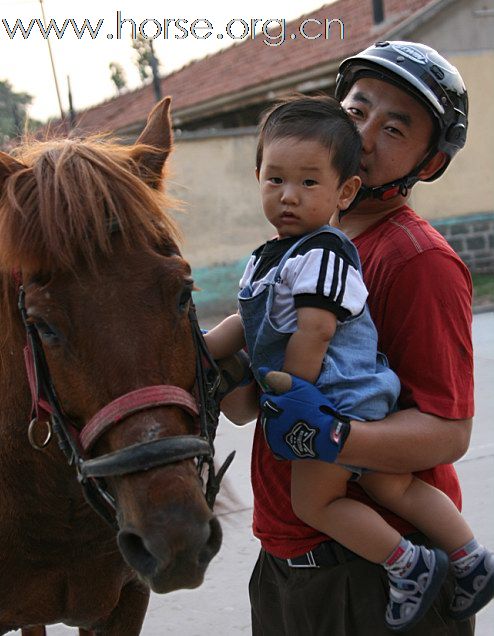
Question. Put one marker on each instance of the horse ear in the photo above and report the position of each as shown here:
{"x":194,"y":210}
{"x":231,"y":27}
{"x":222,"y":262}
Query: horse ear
{"x":8,"y":165}
{"x":157,"y":133}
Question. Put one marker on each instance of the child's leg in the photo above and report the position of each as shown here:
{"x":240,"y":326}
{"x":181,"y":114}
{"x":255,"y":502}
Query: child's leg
{"x":415,"y":573}
{"x":319,"y":499}
{"x":434,"y":514}
{"x":426,"y":507}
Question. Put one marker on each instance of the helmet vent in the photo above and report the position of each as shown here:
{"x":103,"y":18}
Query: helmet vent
{"x":437,"y":72}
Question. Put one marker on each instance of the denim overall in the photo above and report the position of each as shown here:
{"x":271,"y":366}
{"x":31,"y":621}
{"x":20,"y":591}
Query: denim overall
{"x":354,"y":376}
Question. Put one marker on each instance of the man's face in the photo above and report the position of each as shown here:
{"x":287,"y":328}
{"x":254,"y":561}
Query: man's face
{"x":395,"y":128}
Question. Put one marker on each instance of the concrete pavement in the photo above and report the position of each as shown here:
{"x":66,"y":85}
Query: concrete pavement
{"x":221,"y":606}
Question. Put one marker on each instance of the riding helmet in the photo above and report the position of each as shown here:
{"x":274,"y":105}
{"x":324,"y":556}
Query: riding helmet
{"x":420,"y":70}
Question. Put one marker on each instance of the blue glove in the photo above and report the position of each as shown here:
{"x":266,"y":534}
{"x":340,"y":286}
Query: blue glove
{"x":301,"y":423}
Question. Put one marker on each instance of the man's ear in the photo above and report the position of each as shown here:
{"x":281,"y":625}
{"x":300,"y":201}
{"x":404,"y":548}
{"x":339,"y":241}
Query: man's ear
{"x":348,"y":192}
{"x":432,"y":166}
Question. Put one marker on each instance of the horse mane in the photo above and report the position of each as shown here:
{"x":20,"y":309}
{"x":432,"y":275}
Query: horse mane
{"x":69,"y":198}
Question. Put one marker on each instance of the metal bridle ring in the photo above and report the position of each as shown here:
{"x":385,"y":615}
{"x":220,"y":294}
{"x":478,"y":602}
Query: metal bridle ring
{"x":31,"y":434}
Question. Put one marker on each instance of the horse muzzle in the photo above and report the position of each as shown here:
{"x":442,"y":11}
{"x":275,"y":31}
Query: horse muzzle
{"x":172,"y":556}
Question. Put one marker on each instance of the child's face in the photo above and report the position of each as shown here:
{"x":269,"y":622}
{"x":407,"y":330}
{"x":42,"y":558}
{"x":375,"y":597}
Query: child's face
{"x":300,"y":189}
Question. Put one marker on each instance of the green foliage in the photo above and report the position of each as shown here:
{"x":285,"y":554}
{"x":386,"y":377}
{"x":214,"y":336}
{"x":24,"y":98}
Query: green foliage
{"x":483,"y":289}
{"x":117,"y":75}
{"x":13,"y":107}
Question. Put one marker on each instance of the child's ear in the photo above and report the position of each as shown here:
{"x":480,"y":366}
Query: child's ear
{"x":257,"y":174}
{"x":348,"y":191}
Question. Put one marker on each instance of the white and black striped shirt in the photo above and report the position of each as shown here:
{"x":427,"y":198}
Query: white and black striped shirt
{"x":319,"y":273}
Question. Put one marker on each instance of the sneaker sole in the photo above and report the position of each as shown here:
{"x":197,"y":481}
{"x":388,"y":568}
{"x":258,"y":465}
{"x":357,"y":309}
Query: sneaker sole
{"x":481,"y":600}
{"x":440,"y":573}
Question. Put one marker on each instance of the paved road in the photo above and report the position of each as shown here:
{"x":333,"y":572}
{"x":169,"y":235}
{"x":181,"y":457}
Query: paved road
{"x":220,"y":606}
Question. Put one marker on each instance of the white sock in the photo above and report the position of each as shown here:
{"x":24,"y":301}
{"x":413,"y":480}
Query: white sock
{"x":403,"y":558}
{"x":467,"y":557}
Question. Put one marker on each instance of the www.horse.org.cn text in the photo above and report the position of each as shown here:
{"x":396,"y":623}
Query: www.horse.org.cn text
{"x":273,"y":31}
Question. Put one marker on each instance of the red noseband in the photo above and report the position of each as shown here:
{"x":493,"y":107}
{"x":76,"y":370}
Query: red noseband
{"x":137,"y":457}
{"x":133,"y":402}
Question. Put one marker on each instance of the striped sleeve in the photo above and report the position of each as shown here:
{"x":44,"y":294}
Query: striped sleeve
{"x":248,"y":271}
{"x":325,"y":279}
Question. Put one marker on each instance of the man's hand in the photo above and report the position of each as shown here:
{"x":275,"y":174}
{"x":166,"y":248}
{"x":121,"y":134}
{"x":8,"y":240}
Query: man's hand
{"x":298,"y":420}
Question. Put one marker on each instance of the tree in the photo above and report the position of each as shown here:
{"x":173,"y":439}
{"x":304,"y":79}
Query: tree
{"x":147,"y":63}
{"x":118,"y":76}
{"x":145,"y":57}
{"x":13,"y":111}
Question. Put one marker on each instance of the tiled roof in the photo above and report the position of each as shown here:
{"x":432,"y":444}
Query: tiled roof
{"x":251,"y":63}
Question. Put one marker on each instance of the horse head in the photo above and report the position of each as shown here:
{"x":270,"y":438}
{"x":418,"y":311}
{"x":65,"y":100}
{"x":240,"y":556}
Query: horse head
{"x":106,"y":295}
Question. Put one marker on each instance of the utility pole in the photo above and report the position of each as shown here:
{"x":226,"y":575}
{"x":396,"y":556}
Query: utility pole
{"x":62,"y":115}
{"x":72,"y":118}
{"x":156,"y":76}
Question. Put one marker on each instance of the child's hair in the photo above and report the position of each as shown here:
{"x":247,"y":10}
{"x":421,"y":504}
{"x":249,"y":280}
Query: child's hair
{"x":320,"y":119}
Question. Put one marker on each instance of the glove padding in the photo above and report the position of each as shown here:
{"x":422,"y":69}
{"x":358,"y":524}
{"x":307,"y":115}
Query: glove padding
{"x":300,"y":423}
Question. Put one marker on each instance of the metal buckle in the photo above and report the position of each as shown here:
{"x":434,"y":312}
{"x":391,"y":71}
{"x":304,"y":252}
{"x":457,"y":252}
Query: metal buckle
{"x":311,"y":562}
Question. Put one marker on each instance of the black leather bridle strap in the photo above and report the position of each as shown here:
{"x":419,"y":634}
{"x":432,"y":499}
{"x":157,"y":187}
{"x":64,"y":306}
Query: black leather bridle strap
{"x":138,"y":457}
{"x":209,"y":409}
{"x":132,"y":459}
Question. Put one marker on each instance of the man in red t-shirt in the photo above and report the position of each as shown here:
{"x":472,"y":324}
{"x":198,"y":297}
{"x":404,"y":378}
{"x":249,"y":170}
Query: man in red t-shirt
{"x":410,"y":106}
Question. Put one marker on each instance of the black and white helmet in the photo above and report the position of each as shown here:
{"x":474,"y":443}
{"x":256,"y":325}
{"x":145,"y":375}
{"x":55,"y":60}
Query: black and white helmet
{"x":433,"y":81}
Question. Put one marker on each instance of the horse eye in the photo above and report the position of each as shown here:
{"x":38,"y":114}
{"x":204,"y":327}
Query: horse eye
{"x":47,"y":334}
{"x":185,"y":297}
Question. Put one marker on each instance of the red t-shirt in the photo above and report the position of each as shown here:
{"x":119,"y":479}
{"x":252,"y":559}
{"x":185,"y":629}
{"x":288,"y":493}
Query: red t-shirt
{"x":420,"y":300}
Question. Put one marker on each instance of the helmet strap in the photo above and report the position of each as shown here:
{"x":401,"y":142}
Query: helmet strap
{"x":390,"y":190}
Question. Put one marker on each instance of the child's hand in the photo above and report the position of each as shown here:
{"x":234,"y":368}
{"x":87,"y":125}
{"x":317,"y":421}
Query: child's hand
{"x":235,"y":371}
{"x":300,"y":423}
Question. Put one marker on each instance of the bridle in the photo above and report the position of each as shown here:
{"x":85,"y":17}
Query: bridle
{"x":76,"y":444}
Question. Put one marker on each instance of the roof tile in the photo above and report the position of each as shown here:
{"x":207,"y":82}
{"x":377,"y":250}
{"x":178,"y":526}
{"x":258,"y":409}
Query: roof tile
{"x":252,"y":63}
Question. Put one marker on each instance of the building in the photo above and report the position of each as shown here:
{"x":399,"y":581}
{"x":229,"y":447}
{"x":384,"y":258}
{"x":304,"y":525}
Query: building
{"x":217,"y":101}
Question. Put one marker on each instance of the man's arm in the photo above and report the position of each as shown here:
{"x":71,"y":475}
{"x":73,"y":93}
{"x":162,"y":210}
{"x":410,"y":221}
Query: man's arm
{"x":425,"y":332}
{"x":241,"y":406}
{"x":432,"y":355}
{"x":296,"y":414}
{"x":406,"y":441}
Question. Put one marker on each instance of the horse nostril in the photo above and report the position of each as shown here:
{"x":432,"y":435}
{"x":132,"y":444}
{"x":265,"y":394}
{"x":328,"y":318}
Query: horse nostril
{"x":213,"y":543}
{"x":135,"y":553}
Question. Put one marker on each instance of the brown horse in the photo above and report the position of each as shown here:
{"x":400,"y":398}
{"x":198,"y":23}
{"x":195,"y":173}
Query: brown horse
{"x":105,"y":295}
